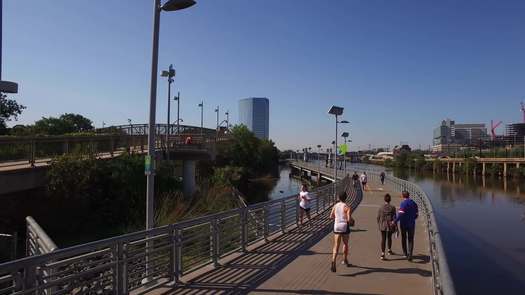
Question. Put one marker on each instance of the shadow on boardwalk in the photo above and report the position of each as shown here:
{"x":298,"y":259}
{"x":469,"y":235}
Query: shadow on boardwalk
{"x":244,"y":273}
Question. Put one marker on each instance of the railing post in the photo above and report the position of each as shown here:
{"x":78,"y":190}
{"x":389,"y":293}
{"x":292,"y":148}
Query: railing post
{"x":266,"y":223}
{"x":32,"y":153}
{"x":120,"y":274}
{"x":65,"y":147}
{"x":174,"y":271}
{"x":214,"y":242}
{"x":283,"y":216}
{"x":244,"y":229}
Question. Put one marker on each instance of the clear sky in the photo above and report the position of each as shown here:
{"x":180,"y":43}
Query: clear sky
{"x":398,"y":67}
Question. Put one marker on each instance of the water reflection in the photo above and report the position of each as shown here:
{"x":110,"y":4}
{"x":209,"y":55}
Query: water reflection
{"x":481,"y":220}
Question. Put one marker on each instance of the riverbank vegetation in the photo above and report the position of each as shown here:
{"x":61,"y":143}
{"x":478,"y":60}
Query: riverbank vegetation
{"x":416,"y":160}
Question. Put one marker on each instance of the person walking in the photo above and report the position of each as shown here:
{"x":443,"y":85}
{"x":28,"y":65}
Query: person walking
{"x":385,"y":217}
{"x":342,"y":215}
{"x":355,"y":178}
{"x":382,"y":177}
{"x":364,"y":180}
{"x":406,"y":216}
{"x":304,"y":204}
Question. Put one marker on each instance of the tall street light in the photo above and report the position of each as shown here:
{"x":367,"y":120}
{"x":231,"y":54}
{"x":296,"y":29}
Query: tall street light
{"x":5,"y":86}
{"x":319,"y":164}
{"x":201,"y":105}
{"x":345,"y":136}
{"x":170,"y":73}
{"x":217,"y":111}
{"x":170,"y":5}
{"x":177,"y":98}
{"x":227,"y":119}
{"x":336,"y":111}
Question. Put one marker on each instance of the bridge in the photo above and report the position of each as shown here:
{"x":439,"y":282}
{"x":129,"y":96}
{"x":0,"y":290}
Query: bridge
{"x":24,"y":159}
{"x":257,"y":249}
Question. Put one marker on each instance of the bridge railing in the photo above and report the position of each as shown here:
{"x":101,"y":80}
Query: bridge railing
{"x":119,"y":265}
{"x":20,"y":150}
{"x":443,"y":283}
{"x":37,"y":240}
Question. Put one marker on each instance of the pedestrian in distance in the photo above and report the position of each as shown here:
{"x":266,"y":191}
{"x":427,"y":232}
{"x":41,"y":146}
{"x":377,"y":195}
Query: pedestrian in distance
{"x":355,"y":178}
{"x":364,"y":180}
{"x":406,"y":216}
{"x":382,"y":177}
{"x":304,"y":204}
{"x":385,"y":220}
{"x":342,"y":215}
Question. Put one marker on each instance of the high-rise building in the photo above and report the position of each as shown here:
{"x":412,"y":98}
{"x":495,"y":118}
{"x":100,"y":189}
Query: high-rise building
{"x":450,"y":133}
{"x":254,"y":112}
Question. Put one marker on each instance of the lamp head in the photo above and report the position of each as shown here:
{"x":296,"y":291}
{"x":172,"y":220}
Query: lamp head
{"x":173,"y":5}
{"x":345,"y":134}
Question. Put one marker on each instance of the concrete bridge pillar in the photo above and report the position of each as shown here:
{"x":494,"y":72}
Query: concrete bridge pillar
{"x":188,"y":178}
{"x":483,"y":170}
{"x":448,"y":167}
{"x":504,"y":169}
{"x":518,"y":165}
{"x":453,"y":167}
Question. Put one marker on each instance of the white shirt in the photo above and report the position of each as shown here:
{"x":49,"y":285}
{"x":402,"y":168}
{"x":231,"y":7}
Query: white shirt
{"x":340,"y":223}
{"x":304,"y":200}
{"x":363,"y":178}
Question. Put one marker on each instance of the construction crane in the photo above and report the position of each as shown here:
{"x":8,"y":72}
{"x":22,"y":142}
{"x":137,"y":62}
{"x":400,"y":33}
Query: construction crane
{"x":493,"y":128}
{"x":523,"y":110}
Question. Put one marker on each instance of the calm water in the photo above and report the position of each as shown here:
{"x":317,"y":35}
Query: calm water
{"x":483,"y":227}
{"x":482,"y":222}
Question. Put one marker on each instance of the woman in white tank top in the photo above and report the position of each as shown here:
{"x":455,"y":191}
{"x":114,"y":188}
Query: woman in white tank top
{"x":341,"y":213}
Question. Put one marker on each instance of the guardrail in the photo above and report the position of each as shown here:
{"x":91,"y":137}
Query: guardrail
{"x":442,"y":280}
{"x":37,"y":240}
{"x":443,"y":283}
{"x":32,"y":150}
{"x":119,"y":265}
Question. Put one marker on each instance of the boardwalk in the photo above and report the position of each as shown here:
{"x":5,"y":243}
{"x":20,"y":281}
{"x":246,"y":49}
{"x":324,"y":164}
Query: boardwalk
{"x":298,"y":262}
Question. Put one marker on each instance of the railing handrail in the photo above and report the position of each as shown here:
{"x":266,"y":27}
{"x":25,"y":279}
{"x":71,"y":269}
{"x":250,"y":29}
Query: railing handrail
{"x":65,"y":268}
{"x":443,"y":283}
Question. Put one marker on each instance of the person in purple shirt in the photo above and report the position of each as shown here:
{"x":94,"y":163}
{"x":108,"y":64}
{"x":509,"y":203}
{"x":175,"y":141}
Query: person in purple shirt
{"x":406,"y":216}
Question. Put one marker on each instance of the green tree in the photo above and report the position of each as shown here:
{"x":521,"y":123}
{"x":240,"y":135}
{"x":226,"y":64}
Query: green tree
{"x":9,"y":109}
{"x":66,"y":123}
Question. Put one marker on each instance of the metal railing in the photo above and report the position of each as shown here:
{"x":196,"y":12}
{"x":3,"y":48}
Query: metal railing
{"x":442,"y":279}
{"x":37,"y":240}
{"x":118,"y":265}
{"x":107,"y":142}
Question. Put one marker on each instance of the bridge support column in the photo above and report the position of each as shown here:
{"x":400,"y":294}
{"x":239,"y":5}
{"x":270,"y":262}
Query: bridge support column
{"x":504,"y":169}
{"x":483,"y":170}
{"x":188,"y":178}
{"x":453,"y":167}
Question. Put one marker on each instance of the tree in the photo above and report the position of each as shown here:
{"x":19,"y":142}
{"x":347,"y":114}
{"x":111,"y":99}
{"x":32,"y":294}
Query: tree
{"x":66,"y":123}
{"x":8,"y":109}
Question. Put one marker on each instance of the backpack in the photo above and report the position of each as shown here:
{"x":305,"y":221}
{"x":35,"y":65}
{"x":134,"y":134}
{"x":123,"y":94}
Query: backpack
{"x":388,"y":217}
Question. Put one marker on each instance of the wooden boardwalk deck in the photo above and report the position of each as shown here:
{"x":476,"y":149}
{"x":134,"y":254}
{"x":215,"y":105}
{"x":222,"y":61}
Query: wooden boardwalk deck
{"x":298,"y":262}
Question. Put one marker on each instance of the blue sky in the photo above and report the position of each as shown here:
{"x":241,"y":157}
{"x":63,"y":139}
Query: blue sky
{"x":398,"y":67}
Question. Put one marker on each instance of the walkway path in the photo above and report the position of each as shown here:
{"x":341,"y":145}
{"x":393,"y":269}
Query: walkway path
{"x":298,"y":262}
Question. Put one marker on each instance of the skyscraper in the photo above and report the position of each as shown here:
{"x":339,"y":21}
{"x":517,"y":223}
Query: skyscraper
{"x":254,"y":112}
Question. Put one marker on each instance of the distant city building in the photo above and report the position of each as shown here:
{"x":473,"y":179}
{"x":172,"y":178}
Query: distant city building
{"x":515,"y":133}
{"x":254,"y":112}
{"x":450,"y":133}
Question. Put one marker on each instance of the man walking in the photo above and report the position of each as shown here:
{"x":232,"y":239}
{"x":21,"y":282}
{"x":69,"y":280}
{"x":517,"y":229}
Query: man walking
{"x":406,"y":216}
{"x":382,"y":177}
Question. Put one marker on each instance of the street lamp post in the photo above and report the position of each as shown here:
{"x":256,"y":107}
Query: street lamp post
{"x":217,"y":130}
{"x":345,"y":136}
{"x":336,"y":111}
{"x":319,"y":164}
{"x":201,"y":105}
{"x":177,"y":98}
{"x":170,"y":5}
{"x":170,"y":73}
{"x":227,"y":119}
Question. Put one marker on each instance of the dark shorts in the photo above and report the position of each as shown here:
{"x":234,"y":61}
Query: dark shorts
{"x":307,"y":210}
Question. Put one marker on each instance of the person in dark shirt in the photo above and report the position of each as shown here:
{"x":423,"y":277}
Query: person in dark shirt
{"x":406,"y":216}
{"x":385,"y":217}
{"x":382,"y":176}
{"x":355,"y":178}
